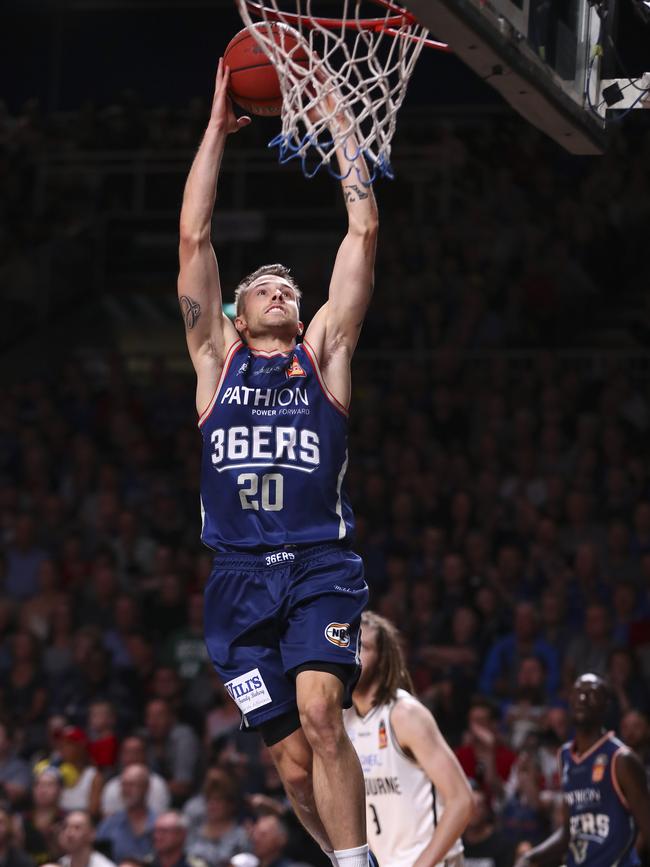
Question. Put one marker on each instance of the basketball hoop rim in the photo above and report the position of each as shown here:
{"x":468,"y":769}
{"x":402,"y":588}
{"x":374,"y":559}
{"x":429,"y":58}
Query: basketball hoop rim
{"x":390,"y":25}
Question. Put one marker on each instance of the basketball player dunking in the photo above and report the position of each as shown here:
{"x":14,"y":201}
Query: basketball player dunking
{"x":284,"y":600}
{"x":606,"y":799}
{"x":418,"y":800}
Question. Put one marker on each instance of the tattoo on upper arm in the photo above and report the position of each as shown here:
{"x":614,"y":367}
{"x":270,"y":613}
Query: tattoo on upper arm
{"x":191,"y":311}
{"x":353,"y":193}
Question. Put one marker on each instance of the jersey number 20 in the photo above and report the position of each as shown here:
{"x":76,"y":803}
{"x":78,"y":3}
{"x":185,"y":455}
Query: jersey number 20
{"x":269,"y":495}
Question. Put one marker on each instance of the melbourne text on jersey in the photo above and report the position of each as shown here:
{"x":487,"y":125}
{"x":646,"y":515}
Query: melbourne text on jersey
{"x":382,"y":786}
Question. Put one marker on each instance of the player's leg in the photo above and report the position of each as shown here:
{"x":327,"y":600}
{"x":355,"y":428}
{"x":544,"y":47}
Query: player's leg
{"x":265,"y":695}
{"x":320,"y":647}
{"x":293,"y":758}
{"x":339,"y":792}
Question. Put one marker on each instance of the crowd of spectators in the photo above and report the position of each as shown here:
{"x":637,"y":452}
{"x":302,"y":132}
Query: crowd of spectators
{"x":503,"y":511}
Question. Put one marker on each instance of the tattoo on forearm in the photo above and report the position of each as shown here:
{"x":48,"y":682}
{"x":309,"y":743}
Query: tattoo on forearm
{"x":191,"y":311}
{"x":353,"y":193}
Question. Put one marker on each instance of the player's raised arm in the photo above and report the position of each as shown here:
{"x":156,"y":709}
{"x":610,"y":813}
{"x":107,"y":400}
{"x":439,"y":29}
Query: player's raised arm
{"x":353,"y":275}
{"x":419,"y":736}
{"x":336,"y":327}
{"x":208,"y":331}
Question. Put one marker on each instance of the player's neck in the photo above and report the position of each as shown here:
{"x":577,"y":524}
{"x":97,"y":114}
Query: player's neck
{"x":586,"y":737}
{"x":364,"y":699}
{"x":272,"y":339}
{"x":270,"y":342}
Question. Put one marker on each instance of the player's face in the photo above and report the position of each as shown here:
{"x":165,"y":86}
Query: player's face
{"x":270,"y":306}
{"x":369,"y":656}
{"x":588,"y":700}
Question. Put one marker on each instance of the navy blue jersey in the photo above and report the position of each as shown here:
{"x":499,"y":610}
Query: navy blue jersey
{"x":274,"y":454}
{"x":602,"y":829}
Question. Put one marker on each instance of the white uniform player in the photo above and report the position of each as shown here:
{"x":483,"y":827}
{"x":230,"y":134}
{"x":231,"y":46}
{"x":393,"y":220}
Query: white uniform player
{"x":405,"y":761}
{"x":403,"y":807}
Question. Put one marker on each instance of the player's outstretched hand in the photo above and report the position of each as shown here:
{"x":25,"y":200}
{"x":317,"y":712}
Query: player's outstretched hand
{"x":222,"y":114}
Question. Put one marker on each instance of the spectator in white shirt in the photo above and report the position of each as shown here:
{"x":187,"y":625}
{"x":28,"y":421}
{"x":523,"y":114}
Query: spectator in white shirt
{"x":133,"y":752}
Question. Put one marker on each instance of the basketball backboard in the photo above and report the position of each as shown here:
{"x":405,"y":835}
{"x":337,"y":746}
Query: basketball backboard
{"x":539,"y":54}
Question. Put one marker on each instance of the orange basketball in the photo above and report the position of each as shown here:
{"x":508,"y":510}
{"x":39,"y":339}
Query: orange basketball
{"x":254,"y":81}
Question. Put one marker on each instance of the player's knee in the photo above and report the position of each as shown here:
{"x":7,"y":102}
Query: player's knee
{"x":320,"y":717}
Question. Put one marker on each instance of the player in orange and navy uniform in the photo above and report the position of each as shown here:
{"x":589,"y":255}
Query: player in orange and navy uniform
{"x":606,"y":798}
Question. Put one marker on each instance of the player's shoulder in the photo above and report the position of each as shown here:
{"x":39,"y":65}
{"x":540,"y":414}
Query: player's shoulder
{"x":610,"y":745}
{"x":567,"y":747}
{"x":407,"y":710}
{"x":617,"y":743}
{"x":624,"y":756}
{"x":403,"y":696}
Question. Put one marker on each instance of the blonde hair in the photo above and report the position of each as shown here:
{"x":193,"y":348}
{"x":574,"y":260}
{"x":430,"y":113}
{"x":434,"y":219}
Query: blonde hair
{"x":276,"y":270}
{"x":392,"y":673}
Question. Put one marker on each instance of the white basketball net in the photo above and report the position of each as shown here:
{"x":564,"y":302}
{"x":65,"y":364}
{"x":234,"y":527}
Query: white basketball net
{"x":366,"y":70}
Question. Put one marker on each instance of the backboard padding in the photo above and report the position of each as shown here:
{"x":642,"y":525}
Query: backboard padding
{"x":510,"y":66}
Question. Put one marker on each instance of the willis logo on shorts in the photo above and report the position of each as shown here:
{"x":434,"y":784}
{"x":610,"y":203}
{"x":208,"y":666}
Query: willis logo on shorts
{"x":338,"y":634}
{"x":249,"y":691}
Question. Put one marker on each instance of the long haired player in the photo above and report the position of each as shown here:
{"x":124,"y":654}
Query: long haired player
{"x":284,"y":600}
{"x":418,"y":800}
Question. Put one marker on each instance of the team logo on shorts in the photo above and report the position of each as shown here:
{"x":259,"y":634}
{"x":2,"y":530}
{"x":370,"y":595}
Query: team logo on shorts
{"x":598,"y":770}
{"x":338,"y":634}
{"x":295,"y":369}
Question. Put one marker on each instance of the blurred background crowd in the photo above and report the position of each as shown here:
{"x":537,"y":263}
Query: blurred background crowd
{"x":500,"y":478}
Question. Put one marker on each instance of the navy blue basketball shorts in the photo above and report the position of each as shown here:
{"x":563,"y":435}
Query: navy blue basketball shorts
{"x":268,"y":614}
